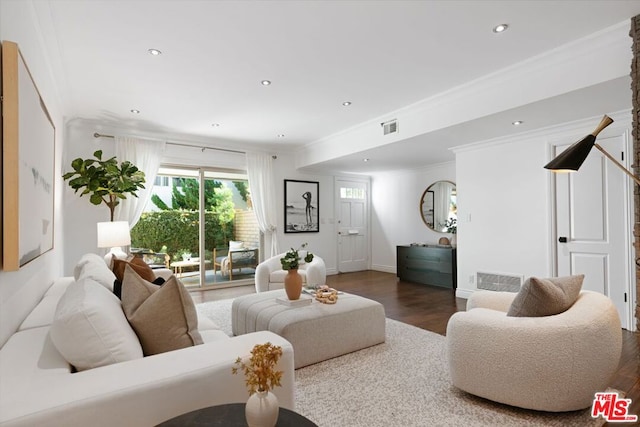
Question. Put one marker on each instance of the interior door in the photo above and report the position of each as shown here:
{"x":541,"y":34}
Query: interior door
{"x":352,"y":224}
{"x":593,"y":225}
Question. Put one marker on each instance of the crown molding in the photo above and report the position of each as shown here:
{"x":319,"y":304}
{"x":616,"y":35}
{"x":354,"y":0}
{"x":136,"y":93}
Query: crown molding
{"x":553,"y":134}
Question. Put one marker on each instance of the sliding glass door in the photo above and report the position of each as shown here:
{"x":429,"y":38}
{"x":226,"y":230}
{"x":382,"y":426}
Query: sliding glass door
{"x":200,"y":223}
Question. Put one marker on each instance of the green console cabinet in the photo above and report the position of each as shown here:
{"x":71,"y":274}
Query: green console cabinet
{"x":429,"y":265}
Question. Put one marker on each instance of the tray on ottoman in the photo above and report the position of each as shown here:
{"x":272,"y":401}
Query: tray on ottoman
{"x":316,"y":331}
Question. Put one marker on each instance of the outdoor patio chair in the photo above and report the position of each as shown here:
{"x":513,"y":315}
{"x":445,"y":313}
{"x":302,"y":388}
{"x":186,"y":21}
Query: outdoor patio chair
{"x":234,"y":257}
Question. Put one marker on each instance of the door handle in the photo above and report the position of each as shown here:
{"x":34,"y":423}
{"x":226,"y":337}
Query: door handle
{"x":562,"y":240}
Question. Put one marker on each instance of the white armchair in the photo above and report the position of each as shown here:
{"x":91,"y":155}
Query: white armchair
{"x":551,"y":363}
{"x":270,"y":275}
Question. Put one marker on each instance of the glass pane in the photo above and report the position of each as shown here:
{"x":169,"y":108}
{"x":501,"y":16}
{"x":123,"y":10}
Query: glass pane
{"x":351,"y":193}
{"x":231,"y":229}
{"x":167,"y":234}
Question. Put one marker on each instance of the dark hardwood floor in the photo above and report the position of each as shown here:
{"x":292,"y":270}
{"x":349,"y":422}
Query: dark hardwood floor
{"x":429,"y":307}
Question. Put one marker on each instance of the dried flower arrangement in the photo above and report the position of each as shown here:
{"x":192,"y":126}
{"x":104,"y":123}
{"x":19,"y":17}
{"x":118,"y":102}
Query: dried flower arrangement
{"x":260,"y":373}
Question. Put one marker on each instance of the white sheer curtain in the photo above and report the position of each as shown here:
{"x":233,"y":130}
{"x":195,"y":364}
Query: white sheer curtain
{"x":442,"y":204}
{"x":146,"y":155}
{"x":263,"y":195}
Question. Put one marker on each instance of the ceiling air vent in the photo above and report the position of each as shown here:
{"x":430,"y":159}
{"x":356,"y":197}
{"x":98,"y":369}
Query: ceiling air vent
{"x":390,"y":127}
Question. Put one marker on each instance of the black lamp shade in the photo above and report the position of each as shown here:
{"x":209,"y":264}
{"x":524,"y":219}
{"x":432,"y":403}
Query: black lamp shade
{"x":572,"y":158}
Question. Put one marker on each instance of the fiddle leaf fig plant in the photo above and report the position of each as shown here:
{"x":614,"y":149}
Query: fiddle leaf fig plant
{"x":105,"y":181}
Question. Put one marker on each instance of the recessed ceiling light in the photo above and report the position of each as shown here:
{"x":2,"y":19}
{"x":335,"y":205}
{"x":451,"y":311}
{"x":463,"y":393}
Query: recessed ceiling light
{"x":500,"y":28}
{"x":346,"y":103}
{"x":281,"y":135}
{"x":134,"y":111}
{"x":154,"y":52}
{"x":266,"y":82}
{"x":365,"y":160}
{"x":517,"y":123}
{"x":215,"y":125}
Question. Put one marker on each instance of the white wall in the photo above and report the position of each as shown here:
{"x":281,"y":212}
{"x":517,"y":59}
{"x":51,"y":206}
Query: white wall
{"x":323,"y":243}
{"x":21,"y":290}
{"x":395,"y":211}
{"x":503,"y":210}
{"x":505,"y":206}
{"x":81,"y":216}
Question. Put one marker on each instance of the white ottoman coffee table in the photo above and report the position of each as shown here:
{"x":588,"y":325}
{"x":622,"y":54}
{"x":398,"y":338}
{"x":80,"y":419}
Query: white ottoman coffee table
{"x":316,"y":331}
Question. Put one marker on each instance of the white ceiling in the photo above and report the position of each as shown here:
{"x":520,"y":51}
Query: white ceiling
{"x":380,"y":55}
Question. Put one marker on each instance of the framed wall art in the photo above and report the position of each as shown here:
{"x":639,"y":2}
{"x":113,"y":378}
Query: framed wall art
{"x":301,"y":206}
{"x":28,"y":144}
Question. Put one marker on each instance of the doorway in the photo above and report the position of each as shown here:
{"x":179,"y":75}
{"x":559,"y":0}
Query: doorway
{"x":593,"y":225}
{"x":352,"y":217}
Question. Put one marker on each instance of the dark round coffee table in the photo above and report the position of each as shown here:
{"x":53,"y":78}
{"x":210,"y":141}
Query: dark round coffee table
{"x":232,"y":415}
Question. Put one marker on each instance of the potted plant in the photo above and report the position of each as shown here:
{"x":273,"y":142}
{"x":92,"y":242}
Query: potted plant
{"x":105,"y":181}
{"x":291,"y":259}
{"x":291,"y":262}
{"x":451,"y":225}
{"x":261,"y":377}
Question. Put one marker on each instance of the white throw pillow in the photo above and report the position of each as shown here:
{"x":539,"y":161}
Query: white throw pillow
{"x":235,"y":245}
{"x":90,"y":329}
{"x":86,"y":258}
{"x":93,"y":266}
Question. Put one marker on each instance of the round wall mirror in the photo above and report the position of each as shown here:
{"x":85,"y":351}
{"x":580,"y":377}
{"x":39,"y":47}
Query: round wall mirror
{"x":438,"y":207}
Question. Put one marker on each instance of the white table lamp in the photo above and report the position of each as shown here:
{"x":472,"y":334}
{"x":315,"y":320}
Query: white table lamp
{"x":114,"y":235}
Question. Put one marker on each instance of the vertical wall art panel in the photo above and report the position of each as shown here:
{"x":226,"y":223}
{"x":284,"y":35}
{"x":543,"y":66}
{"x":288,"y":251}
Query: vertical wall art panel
{"x":28,"y":164}
{"x":301,"y":206}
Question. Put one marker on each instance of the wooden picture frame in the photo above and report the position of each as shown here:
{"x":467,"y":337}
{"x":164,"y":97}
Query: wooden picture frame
{"x":301,"y":206}
{"x":28,"y":146}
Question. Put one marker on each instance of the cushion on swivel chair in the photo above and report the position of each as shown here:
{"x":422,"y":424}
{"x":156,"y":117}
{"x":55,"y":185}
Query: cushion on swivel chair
{"x":546,"y":297}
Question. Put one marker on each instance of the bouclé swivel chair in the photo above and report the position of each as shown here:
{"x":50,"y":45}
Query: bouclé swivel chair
{"x":552,"y":363}
{"x":270,"y":275}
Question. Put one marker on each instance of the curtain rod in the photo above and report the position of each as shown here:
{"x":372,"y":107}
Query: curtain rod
{"x":100,"y":135}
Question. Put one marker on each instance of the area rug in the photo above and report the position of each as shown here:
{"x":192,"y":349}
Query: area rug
{"x":403,"y":382}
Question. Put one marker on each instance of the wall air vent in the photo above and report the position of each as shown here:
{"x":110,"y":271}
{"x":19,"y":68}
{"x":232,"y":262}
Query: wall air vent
{"x":389,"y":127}
{"x":499,"y":282}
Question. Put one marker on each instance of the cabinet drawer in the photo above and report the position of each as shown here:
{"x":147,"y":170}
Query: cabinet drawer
{"x":427,"y":277}
{"x":427,"y":265}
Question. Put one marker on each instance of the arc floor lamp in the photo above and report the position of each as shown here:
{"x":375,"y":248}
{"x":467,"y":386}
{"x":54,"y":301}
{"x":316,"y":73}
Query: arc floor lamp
{"x":572,"y":158}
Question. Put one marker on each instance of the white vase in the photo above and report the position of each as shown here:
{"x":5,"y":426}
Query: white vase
{"x":262,"y":409}
{"x":454,"y":240}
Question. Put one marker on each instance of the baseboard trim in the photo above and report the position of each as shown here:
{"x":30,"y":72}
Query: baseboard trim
{"x":384,"y":268}
{"x":464,"y":293}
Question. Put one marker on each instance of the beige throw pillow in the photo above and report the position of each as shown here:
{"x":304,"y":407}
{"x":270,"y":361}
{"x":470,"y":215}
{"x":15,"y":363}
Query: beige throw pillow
{"x":546,"y":297}
{"x":164,"y":318}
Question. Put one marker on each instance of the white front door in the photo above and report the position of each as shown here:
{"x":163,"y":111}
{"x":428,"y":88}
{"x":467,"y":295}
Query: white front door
{"x":593,"y":225}
{"x":352,"y":201}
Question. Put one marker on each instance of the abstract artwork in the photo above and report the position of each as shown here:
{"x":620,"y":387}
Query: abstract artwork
{"x":301,"y":206}
{"x":28,"y":141}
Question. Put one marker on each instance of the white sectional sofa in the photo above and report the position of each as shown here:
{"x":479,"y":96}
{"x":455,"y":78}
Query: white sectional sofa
{"x":39,"y":387}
